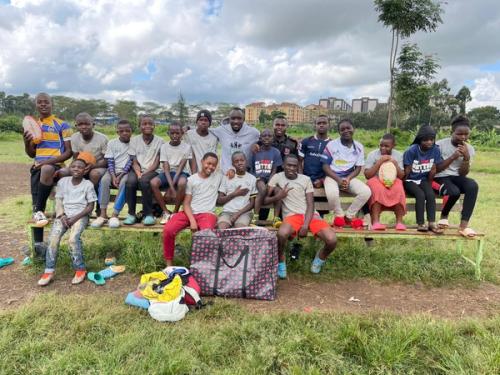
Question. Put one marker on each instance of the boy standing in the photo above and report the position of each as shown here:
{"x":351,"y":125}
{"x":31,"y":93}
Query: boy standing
{"x":174,"y":156}
{"x":198,"y":206}
{"x":296,"y":193}
{"x":145,"y":151}
{"x":237,"y":194}
{"x":119,"y":164}
{"x":75,"y":199}
{"x":200,"y":139}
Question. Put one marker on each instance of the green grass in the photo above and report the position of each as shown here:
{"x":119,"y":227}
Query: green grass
{"x":75,"y":335}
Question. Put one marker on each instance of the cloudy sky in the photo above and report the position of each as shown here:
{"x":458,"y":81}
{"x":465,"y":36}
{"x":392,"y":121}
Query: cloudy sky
{"x":233,"y":51}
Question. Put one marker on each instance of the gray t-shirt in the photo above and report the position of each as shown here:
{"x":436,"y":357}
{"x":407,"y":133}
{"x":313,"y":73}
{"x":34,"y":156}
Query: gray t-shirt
{"x":201,"y":145}
{"x":295,"y":202}
{"x":203,"y":191}
{"x":96,"y":146}
{"x":231,"y":142}
{"x":145,"y":153}
{"x":173,"y":155}
{"x":373,"y":156}
{"x":227,"y":186}
{"x":75,"y":197}
{"x":118,"y":151}
{"x":447,"y":149}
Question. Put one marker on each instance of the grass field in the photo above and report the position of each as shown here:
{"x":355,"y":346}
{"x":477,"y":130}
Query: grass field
{"x":92,"y":334}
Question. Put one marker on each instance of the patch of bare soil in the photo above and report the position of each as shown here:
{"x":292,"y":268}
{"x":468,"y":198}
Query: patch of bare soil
{"x":18,"y":285}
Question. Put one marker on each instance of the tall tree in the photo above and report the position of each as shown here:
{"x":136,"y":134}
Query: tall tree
{"x":463,"y":96}
{"x":405,"y":18}
{"x":126,"y":109}
{"x":180,"y":109}
{"x":485,"y":118}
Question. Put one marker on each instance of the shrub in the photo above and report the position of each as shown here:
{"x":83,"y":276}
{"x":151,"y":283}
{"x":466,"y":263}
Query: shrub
{"x":11,"y":124}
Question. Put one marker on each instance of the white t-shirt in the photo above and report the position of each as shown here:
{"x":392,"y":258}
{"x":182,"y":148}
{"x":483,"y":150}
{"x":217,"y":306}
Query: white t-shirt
{"x":174,"y":155}
{"x":227,"y":186}
{"x":145,"y":153}
{"x":201,"y":145}
{"x":295,"y":202}
{"x":447,"y":149}
{"x":118,"y":151}
{"x":342,"y":159}
{"x":203,"y":191}
{"x":75,"y":197}
{"x":96,"y":146}
{"x":373,"y":156}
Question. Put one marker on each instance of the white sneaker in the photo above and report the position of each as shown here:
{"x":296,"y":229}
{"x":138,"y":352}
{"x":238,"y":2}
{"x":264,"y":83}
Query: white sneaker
{"x":40,"y":219}
{"x":97,"y":223}
{"x":114,"y":222}
{"x":165,"y":217}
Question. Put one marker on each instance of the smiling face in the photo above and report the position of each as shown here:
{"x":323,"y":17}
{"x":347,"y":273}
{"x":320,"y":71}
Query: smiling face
{"x":460,"y":135}
{"x":386,"y":146}
{"x":236,"y":120}
{"x":43,"y":105}
{"x":147,"y":125}
{"x":77,"y":168}
{"x":209,"y":165}
{"x":84,"y":124}
{"x":279,"y":127}
{"x":346,"y":131}
{"x":291,"y":168}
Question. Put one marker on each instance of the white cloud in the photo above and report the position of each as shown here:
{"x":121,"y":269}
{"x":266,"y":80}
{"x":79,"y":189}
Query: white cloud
{"x":486,"y":91}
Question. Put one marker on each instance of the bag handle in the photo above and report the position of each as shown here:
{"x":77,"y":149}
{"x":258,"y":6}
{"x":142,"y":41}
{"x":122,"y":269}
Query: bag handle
{"x":220,"y":256}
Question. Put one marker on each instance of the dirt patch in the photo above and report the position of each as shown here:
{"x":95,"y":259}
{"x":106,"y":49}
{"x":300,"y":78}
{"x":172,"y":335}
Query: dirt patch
{"x":18,"y":286}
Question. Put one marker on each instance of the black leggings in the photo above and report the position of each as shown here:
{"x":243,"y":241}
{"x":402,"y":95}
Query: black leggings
{"x":424,"y":199}
{"x":456,"y":185}
{"x":144,"y":183}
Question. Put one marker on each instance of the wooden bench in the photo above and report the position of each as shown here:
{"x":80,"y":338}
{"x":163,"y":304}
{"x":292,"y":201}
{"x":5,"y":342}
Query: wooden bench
{"x":321,"y":204}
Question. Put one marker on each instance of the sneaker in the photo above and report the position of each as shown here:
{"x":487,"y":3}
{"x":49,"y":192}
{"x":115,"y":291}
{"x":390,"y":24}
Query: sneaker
{"x":79,"y":277}
{"x":277,"y":222}
{"x":40,"y":219}
{"x":149,"y":220}
{"x":46,"y":279}
{"x":97,"y":223}
{"x":165,"y":217}
{"x":282,"y":270}
{"x":130,"y":220}
{"x":339,"y":221}
{"x":317,"y":264}
{"x":114,"y":222}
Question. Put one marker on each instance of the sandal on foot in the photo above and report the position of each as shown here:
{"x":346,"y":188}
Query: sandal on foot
{"x":443,"y":223}
{"x":435,"y":229}
{"x":378,"y":226}
{"x":400,"y":226}
{"x":422,"y":228}
{"x":468,"y":232}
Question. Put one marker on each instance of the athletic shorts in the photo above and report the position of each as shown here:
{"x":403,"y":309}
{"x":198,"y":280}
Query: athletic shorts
{"x":315,"y":226}
{"x":163,"y":178}
{"x":243,"y":220}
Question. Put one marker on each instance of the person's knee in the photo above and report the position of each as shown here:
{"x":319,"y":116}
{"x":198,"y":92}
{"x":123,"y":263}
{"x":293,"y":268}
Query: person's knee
{"x":471,"y":186}
{"x":283,"y":234}
{"x":365,"y":193}
{"x":330,"y":239}
{"x":452,"y":191}
{"x":181,"y":184}
{"x":155,"y":183}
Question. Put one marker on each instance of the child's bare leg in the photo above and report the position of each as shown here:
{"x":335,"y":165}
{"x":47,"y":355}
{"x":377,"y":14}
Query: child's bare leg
{"x":262,"y":190}
{"x":181,"y":192}
{"x":328,"y":236}
{"x":155,"y":188}
{"x":375,"y":212}
{"x":399,"y":211}
{"x":284,"y":233}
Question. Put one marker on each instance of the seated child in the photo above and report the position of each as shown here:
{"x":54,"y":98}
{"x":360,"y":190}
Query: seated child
{"x":342,"y":161}
{"x":390,"y":198}
{"x":174,"y":156}
{"x":453,"y":171}
{"x":237,"y":194}
{"x":145,"y":151}
{"x":420,"y":161}
{"x":119,"y":164}
{"x":264,"y":164}
{"x":198,"y":206}
{"x":75,"y":199}
{"x":297,"y":195}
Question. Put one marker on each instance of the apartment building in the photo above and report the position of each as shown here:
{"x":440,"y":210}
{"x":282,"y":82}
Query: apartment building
{"x":364,"y":105}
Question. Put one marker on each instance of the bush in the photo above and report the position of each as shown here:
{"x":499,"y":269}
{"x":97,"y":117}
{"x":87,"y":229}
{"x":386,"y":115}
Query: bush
{"x":11,"y":124}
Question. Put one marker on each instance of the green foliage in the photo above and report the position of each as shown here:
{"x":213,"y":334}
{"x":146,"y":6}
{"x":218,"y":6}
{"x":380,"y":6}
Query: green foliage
{"x":180,"y":110}
{"x":484,"y":118}
{"x":16,"y":104}
{"x":264,"y":118}
{"x":463,"y":96}
{"x":11,"y":123}
{"x":126,"y":109}
{"x":67,"y":108}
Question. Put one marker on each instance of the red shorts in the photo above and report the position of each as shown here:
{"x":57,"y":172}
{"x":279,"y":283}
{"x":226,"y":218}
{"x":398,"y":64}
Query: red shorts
{"x":315,"y":226}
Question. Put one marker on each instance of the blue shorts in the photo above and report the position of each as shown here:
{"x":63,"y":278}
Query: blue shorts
{"x":163,"y":178}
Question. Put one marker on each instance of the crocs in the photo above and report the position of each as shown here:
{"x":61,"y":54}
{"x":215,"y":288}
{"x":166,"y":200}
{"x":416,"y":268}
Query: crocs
{"x":96,"y":278}
{"x":339,"y":221}
{"x":282,"y":270}
{"x":130,"y":220}
{"x":317,"y":264}
{"x":378,"y":226}
{"x":357,"y":223}
{"x":109,"y":260}
{"x":114,"y":222}
{"x":149,"y":220}
{"x":6,"y":261}
{"x":400,"y":226}
{"x":136,"y":299}
{"x":111,"y":271}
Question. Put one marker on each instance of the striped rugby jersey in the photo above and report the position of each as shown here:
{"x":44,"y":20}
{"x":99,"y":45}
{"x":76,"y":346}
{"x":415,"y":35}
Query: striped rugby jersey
{"x":54,"y":132}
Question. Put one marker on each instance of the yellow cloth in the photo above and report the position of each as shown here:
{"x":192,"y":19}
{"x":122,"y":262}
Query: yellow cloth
{"x":170,"y":292}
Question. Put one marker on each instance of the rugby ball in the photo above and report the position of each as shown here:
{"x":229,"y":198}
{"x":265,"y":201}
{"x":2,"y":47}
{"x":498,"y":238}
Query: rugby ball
{"x":387,"y":173}
{"x":32,"y":126}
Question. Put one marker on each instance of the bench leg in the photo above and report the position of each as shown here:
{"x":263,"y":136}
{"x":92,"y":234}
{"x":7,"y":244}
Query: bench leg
{"x":479,"y":258}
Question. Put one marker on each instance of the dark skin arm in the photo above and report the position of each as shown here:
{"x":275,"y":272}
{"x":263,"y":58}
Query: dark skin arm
{"x":446,"y":163}
{"x":222,"y":199}
{"x":301,"y":165}
{"x":30,"y":150}
{"x":308,"y":216}
{"x":69,"y":221}
{"x":189,"y":212}
{"x":407,"y":171}
{"x":166,"y":170}
{"x":193,"y":165}
{"x":247,"y":208}
{"x":179,"y":170}
{"x":136,"y":167}
{"x":371,"y":172}
{"x":275,"y":194}
{"x":432,"y":173}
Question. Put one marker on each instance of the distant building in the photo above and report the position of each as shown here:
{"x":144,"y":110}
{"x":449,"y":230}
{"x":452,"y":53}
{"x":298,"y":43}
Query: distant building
{"x":293,"y":112}
{"x":252,"y":112}
{"x":312,"y":111}
{"x":364,"y":105}
{"x":335,"y":104}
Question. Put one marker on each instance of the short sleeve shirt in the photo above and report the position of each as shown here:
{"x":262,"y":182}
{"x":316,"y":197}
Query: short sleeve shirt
{"x":75,"y":197}
{"x":311,"y":150}
{"x":447,"y":149}
{"x":295,"y":202}
{"x":264,"y":161}
{"x":174,"y":155}
{"x":342,"y":159}
{"x":118,"y":151}
{"x":373,"y":157}
{"x":421,"y":162}
{"x":204,"y":192}
{"x":145,"y":153}
{"x":54,"y":133}
{"x":96,"y":146}
{"x":227,"y":186}
{"x":201,"y":145}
